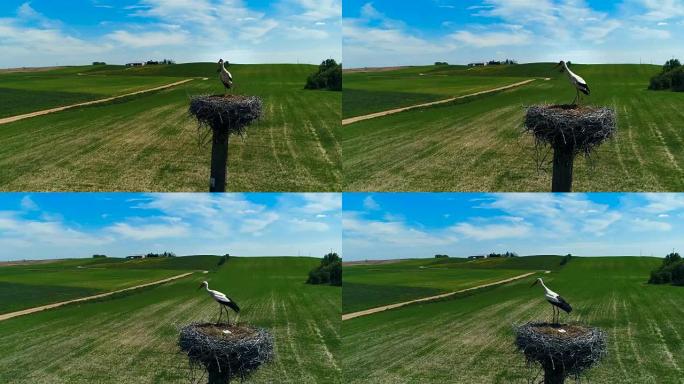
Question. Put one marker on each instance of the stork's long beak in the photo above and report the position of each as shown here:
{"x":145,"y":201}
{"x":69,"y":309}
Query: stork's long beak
{"x":535,"y":283}
{"x":200,"y":287}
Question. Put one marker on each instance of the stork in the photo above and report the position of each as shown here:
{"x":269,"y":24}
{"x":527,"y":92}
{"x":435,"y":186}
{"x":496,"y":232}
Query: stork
{"x":223,"y":300}
{"x":576,"y":81}
{"x":225,"y":76}
{"x":555,"y":299}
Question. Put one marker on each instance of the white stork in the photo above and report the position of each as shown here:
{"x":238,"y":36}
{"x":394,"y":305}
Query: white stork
{"x":223,"y":300}
{"x":576,"y":81}
{"x":225,"y":76}
{"x":555,"y":299}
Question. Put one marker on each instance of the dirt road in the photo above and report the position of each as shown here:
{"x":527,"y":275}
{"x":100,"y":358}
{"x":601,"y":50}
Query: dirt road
{"x":12,"y":119}
{"x":371,"y":311}
{"x":87,"y":298}
{"x":356,"y":119}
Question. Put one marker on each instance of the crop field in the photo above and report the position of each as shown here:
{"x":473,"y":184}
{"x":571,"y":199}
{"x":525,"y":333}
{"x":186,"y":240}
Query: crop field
{"x":369,"y":286}
{"x":23,"y":92}
{"x":478,"y":144}
{"x":27,"y":286}
{"x":370,"y":92}
{"x":469,"y":339}
{"x":148,"y":142}
{"x":132,"y":338}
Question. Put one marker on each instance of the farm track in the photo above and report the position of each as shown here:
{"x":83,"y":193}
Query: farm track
{"x":12,"y":119}
{"x":357,"y":119}
{"x":349,"y":316}
{"x":29,"y":311}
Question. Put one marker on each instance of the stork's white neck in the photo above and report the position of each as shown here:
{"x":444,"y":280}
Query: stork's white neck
{"x":543,"y":285}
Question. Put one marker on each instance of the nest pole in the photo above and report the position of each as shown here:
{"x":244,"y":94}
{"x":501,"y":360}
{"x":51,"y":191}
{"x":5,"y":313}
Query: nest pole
{"x":569,"y":130}
{"x":219,"y":161}
{"x":224,"y":115}
{"x":563,"y":159}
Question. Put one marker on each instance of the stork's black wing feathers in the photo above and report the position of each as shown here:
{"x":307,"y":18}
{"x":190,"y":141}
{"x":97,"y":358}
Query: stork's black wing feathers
{"x":584,"y":88}
{"x":562,"y":304}
{"x":230,"y":303}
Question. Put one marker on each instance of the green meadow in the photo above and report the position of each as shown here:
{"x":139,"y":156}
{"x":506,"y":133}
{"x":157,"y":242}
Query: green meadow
{"x":478,"y":144}
{"x":31,"y":285}
{"x":132,"y":338}
{"x":373,"y":285}
{"x":469,"y":339}
{"x":148,"y":142}
{"x":370,"y":92}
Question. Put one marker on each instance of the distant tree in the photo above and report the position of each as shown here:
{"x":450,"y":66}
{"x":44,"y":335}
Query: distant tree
{"x":168,"y":61}
{"x":565,"y":259}
{"x":223,"y":259}
{"x":670,"y":272}
{"x":99,"y":63}
{"x":441,"y":63}
{"x":328,"y":272}
{"x":151,"y":62}
{"x":441,"y":256}
{"x":99,"y":256}
{"x":671,"y":65}
{"x":328,"y":76}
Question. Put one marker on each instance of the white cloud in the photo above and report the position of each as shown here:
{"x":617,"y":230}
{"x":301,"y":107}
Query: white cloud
{"x":370,"y":203}
{"x":650,"y":33}
{"x":28,"y":204}
{"x":149,"y":231}
{"x":493,"y":231}
{"x":303,"y":225}
{"x":492,"y":39}
{"x":148,"y":39}
{"x":650,"y":225}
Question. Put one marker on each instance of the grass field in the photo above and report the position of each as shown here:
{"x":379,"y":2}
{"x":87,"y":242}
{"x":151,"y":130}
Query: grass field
{"x":132,"y":339}
{"x":478,"y":145}
{"x":369,"y":286}
{"x":26,"y":286}
{"x":149,"y":143}
{"x":469,"y":339}
{"x":23,"y":92}
{"x":369,"y":92}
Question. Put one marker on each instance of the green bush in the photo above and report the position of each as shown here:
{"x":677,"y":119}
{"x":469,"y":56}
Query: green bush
{"x":670,"y":272}
{"x":671,"y":77}
{"x":328,"y":272}
{"x":329,"y":76}
{"x":223,"y":259}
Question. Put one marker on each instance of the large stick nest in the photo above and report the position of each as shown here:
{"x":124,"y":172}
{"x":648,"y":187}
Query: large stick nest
{"x":232,"y":354}
{"x":571,"y":127}
{"x":572,"y":351}
{"x":226,"y":113}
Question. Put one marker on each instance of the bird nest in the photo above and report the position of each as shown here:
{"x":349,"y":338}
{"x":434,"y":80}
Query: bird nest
{"x":570,"y":127}
{"x":226,"y":351}
{"x":566,"y":350}
{"x":229,"y":114}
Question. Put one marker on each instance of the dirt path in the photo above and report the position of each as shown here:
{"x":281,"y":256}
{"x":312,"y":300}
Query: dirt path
{"x":12,"y":119}
{"x":356,"y":119}
{"x":10,"y":315}
{"x":371,"y":311}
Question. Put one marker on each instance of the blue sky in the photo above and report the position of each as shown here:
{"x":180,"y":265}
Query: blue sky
{"x":387,"y":32}
{"x":59,"y":225}
{"x":404,"y":225}
{"x":48,"y":32}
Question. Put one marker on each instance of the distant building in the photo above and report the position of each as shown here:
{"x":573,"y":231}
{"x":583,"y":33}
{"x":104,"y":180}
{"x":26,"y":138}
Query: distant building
{"x":135,"y":64}
{"x":135,"y":257}
{"x":476,"y":257}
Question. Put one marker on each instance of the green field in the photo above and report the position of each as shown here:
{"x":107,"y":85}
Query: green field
{"x":470,"y":340}
{"x":369,"y":92}
{"x":148,"y":142}
{"x":23,"y":92}
{"x":31,"y":285}
{"x":478,"y":144}
{"x":132,"y":338}
{"x":373,"y":285}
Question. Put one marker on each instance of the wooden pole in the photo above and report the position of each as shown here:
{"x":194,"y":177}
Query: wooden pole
{"x":219,"y":161}
{"x":563,"y":158}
